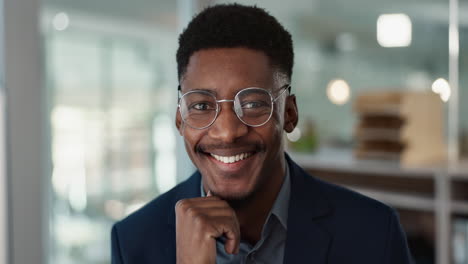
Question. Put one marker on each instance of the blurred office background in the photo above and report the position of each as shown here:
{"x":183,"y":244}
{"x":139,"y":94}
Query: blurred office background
{"x":89,"y":96}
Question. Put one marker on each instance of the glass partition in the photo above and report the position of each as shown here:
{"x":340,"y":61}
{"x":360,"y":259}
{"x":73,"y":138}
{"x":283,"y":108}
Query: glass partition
{"x":112,"y":85}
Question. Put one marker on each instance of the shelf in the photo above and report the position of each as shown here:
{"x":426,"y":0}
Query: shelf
{"x":342,"y":160}
{"x":398,"y":200}
{"x":460,"y":172}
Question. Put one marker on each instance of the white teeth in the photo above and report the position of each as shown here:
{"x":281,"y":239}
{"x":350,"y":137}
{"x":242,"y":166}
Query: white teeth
{"x":231,"y":159}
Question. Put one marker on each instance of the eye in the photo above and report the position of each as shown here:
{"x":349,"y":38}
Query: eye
{"x":253,"y":104}
{"x":202,"y":106}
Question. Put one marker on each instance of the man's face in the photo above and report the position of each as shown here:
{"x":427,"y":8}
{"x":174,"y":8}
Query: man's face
{"x":224,"y":72}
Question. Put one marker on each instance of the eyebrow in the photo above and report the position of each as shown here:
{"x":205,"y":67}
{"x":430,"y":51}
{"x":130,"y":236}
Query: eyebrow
{"x":205,"y":90}
{"x":201,"y":89}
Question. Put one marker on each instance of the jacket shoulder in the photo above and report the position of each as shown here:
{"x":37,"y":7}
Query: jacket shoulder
{"x":159,"y":209}
{"x":345,"y":198}
{"x":148,"y":234}
{"x":156,"y":210}
{"x":337,"y":197}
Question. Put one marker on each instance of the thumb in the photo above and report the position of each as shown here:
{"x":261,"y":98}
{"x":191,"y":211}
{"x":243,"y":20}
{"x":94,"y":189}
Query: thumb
{"x":209,"y":194}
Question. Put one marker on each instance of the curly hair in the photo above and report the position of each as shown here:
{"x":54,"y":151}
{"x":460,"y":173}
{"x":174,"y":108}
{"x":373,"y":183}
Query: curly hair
{"x":234,"y":25}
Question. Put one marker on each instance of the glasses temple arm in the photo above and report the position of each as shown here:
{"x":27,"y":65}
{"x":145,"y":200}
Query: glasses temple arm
{"x":286,"y":87}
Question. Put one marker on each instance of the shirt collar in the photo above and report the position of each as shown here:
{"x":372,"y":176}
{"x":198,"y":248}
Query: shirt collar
{"x":281,"y":205}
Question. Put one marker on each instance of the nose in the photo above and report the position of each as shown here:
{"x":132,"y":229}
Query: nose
{"x":227,"y":127}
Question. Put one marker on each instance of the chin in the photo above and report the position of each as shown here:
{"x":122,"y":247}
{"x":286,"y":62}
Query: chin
{"x":236,"y":199}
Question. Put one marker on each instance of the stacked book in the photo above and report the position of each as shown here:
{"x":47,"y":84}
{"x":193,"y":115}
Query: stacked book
{"x":400,"y":125}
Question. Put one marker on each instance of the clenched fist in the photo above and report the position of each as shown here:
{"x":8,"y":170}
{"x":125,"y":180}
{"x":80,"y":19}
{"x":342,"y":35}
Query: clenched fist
{"x":199,"y":222}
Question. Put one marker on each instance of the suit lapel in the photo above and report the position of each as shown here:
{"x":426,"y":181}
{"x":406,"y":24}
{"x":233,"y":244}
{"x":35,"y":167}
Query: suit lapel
{"x":307,"y":240}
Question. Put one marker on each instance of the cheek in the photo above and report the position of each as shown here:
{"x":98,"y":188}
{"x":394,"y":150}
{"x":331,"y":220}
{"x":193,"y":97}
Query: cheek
{"x":278,"y":113}
{"x":271,"y":133}
{"x":191,"y":137}
{"x":277,"y":120}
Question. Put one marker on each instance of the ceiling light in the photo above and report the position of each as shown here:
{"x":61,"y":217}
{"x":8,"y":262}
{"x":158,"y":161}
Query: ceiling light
{"x":338,"y":91}
{"x":394,"y":30}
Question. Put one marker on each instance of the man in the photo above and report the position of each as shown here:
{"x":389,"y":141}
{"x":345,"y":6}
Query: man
{"x":249,"y":202}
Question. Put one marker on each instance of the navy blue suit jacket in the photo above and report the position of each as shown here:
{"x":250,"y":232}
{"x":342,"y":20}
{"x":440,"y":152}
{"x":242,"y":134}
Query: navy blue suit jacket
{"x":327,"y":224}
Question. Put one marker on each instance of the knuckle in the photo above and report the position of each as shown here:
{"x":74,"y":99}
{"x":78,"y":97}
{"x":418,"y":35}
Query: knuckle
{"x":191,"y":211}
{"x":199,"y":219}
{"x":179,"y":204}
{"x":182,"y":205}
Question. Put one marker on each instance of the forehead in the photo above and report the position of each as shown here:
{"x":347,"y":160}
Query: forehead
{"x":227,"y":70}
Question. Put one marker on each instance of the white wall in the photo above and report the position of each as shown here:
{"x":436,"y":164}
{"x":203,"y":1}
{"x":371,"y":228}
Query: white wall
{"x":3,"y":178}
{"x":3,"y":183}
{"x":27,"y":151}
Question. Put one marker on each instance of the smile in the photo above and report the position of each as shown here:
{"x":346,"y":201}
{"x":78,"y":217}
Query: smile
{"x":231,"y":159}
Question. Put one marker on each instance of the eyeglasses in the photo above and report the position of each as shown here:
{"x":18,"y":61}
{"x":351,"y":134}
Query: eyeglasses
{"x":253,"y":106}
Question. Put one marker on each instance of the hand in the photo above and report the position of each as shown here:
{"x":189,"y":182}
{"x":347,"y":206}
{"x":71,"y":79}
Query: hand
{"x":199,"y":221}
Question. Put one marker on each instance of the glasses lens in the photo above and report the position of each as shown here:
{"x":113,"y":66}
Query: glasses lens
{"x":198,"y":109}
{"x":253,"y":106}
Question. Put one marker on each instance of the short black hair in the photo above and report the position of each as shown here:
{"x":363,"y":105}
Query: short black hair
{"x":234,"y":25}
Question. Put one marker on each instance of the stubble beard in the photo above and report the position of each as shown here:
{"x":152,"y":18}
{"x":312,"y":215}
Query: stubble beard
{"x":238,"y":201}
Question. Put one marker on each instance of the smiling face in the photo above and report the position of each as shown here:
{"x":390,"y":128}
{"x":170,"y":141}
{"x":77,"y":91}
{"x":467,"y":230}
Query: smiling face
{"x":237,"y":161}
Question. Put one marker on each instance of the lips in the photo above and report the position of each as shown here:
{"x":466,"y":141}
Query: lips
{"x":232,"y":159}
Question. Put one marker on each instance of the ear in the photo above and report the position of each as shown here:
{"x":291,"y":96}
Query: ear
{"x":291,"y":115}
{"x":178,"y":121}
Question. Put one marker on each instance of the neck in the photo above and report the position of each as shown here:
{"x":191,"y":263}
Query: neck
{"x":252,"y":214}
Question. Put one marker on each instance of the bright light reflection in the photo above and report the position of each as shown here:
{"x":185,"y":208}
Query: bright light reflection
{"x":338,"y":91}
{"x":76,"y":231}
{"x":61,"y":21}
{"x":68,"y":155}
{"x":77,"y":191}
{"x":442,"y":88}
{"x":164,"y":145}
{"x":394,"y":30}
{"x":295,"y":135}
